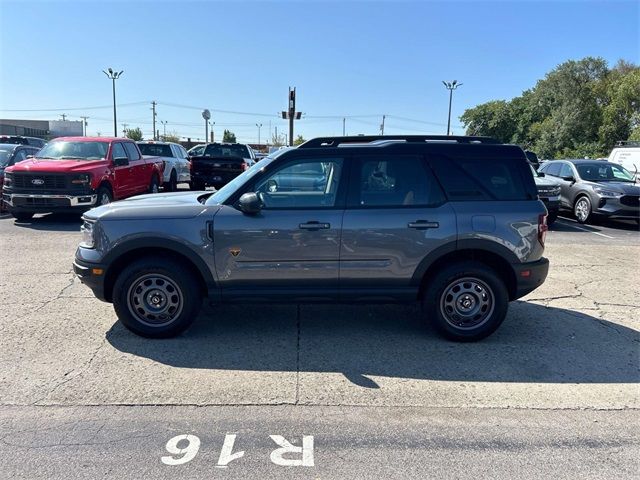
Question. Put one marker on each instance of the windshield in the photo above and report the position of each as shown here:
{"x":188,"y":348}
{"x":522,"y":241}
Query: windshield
{"x":603,"y":172}
{"x":155,"y":149}
{"x":229,"y":189}
{"x":4,"y":157}
{"x":74,"y":150}
{"x":213,"y":150}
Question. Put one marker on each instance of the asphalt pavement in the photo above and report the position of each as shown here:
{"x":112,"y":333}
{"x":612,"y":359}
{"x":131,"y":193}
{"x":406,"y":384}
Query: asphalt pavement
{"x":335,"y":391}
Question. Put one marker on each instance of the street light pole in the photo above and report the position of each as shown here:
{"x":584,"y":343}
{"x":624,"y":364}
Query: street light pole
{"x":164,"y":129}
{"x":259,"y":125}
{"x":113,"y":75}
{"x":451,"y":86}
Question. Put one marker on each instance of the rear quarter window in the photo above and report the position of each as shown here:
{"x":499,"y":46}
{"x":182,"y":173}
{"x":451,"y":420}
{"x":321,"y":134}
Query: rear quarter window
{"x":476,"y":179}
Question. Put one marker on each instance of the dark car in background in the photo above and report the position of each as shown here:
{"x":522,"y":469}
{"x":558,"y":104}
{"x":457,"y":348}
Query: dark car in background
{"x":595,"y":187}
{"x":219,"y":164}
{"x":21,"y":140}
{"x":10,"y":154}
{"x":549,"y":193}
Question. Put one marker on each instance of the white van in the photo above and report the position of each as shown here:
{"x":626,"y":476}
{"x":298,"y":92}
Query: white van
{"x":627,"y":154}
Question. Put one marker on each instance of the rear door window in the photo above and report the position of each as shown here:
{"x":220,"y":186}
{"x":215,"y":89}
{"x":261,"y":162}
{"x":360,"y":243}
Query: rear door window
{"x":393,"y":181}
{"x":553,"y":169}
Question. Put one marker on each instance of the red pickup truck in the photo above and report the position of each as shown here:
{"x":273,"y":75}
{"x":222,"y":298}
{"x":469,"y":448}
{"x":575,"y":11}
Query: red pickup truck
{"x":78,"y":173}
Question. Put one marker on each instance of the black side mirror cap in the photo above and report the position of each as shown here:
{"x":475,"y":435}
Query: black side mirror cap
{"x":121,"y":161}
{"x":541,"y":174}
{"x":569,"y":179}
{"x":250,"y":203}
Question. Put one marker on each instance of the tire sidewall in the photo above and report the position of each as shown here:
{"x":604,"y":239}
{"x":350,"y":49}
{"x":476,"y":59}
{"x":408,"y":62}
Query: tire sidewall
{"x":100,"y":193}
{"x":183,"y":278}
{"x":154,"y":183}
{"x":436,"y":287}
{"x":575,"y":207}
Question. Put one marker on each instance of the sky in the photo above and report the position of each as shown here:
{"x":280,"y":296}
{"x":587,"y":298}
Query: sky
{"x":347,"y":59}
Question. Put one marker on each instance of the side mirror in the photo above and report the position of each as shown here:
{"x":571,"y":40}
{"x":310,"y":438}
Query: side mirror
{"x":30,"y":156}
{"x":121,"y":161}
{"x":250,"y":203}
{"x":569,"y":178}
{"x":541,"y":174}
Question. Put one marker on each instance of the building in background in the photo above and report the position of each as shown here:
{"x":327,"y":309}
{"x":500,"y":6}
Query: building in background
{"x":46,"y":129}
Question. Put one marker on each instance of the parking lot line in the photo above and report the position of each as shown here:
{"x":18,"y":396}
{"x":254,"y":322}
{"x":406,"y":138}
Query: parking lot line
{"x":583,"y":229}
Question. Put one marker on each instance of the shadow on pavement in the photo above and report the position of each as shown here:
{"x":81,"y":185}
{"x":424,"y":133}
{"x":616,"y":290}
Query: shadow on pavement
{"x":535,"y":344}
{"x":568,"y":224}
{"x":58,"y":222}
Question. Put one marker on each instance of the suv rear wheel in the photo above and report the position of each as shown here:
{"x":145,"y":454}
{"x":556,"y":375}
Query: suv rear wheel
{"x":156,"y":298}
{"x":466,"y":301}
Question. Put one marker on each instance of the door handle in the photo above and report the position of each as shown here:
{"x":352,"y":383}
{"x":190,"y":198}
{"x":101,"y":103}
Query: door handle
{"x":423,"y":225}
{"x":314,"y":226}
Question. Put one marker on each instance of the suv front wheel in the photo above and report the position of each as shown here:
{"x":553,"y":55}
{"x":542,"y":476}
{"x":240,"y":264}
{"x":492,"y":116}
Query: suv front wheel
{"x":466,"y":301}
{"x":156,"y":298}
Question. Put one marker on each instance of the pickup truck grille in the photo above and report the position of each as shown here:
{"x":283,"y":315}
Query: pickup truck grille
{"x":50,"y":182}
{"x":630,"y":200}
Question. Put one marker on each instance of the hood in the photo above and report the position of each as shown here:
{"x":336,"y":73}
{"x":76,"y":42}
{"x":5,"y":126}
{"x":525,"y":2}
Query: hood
{"x":619,"y":187}
{"x":545,"y":182}
{"x":153,"y":206}
{"x":44,"y":165}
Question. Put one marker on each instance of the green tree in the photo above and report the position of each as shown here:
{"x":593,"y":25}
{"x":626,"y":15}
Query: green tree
{"x":134,"y":134}
{"x":299,"y":140}
{"x":171,"y":137}
{"x":229,"y":137}
{"x":580,"y":108}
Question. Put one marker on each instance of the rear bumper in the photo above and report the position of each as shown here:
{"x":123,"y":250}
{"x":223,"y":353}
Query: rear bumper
{"x":88,"y":274}
{"x":530,"y":276}
{"x":215,"y":179}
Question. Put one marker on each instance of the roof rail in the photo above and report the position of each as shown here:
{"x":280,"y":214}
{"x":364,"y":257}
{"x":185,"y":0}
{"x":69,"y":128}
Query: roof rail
{"x":336,"y":141}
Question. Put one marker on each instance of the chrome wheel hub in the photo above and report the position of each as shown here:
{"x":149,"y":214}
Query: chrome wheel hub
{"x":467,"y":303}
{"x":155,"y":300}
{"x":582,"y":209}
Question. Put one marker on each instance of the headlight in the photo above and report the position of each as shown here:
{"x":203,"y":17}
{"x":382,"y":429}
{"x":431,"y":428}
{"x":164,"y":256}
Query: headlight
{"x":8,"y":179}
{"x":607,"y":193}
{"x":81,"y":179}
{"x":87,"y":235}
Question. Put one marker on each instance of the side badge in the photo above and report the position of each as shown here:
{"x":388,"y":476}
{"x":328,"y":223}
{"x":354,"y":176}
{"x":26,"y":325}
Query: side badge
{"x":235,"y":251}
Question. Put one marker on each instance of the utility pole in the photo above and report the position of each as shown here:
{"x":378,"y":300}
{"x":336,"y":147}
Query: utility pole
{"x":84,"y":126}
{"x":113,"y":75}
{"x":259,"y":125}
{"x":64,"y":117}
{"x":153,"y":107}
{"x":291,"y":113}
{"x":451,"y":86}
{"x":124,"y":129}
{"x":344,"y":121}
{"x":382,"y":125}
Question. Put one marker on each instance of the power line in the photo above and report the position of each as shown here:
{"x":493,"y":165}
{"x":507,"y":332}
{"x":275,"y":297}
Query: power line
{"x":74,"y":108}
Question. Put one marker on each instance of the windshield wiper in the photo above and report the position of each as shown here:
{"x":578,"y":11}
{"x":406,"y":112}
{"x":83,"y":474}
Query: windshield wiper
{"x":69,"y":157}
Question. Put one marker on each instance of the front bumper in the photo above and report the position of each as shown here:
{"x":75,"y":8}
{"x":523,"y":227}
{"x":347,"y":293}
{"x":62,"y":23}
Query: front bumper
{"x":30,"y":202}
{"x":530,"y":276}
{"x":92,"y":275}
{"x":613,"y":207}
{"x":552,"y":203}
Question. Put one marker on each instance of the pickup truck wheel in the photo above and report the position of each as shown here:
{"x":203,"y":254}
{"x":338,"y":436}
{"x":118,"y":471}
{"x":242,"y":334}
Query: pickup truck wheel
{"x":154,"y":187}
{"x":466,"y":301}
{"x":156,"y":298}
{"x":172,"y":184}
{"x":22,"y":216}
{"x":104,"y":196}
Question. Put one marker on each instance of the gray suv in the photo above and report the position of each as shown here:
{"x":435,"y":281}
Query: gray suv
{"x":453,"y":223}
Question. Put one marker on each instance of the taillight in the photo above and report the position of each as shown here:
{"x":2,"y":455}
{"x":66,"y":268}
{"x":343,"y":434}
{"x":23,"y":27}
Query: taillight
{"x":542,"y":228}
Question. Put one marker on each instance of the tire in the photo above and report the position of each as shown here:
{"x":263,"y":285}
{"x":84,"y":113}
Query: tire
{"x":582,"y":209}
{"x":104,"y":195}
{"x":485,"y":296}
{"x":172,"y":184}
{"x":22,"y":216}
{"x":551,"y":218}
{"x":154,"y":186}
{"x":156,"y":280}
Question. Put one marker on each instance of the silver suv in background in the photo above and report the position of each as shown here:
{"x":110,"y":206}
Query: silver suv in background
{"x":595,"y":187}
{"x":453,"y":223}
{"x":177,"y":168}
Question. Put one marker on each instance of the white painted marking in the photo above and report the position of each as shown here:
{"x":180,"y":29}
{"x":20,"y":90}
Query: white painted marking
{"x":190,"y":451}
{"x":585,"y":229}
{"x":226,"y":455}
{"x":277,"y":456}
